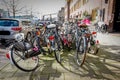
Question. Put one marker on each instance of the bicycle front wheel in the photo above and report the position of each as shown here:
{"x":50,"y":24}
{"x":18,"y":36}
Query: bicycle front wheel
{"x":94,"y":48}
{"x":24,"y":64}
{"x":29,"y":36}
{"x":81,"y":51}
{"x":57,"y":51}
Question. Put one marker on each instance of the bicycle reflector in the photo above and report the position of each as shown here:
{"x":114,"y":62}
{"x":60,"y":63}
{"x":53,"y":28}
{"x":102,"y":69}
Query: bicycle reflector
{"x":38,"y":33}
{"x":94,"y":32}
{"x":97,"y":42}
{"x":7,"y":56}
{"x":51,"y":38}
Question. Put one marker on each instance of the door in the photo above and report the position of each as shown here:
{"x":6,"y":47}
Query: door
{"x":116,"y":26}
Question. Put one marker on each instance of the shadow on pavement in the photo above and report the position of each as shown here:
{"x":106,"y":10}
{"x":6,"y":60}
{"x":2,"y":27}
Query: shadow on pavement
{"x":46,"y":72}
{"x":104,"y":65}
{"x":100,"y":66}
{"x":111,"y":52}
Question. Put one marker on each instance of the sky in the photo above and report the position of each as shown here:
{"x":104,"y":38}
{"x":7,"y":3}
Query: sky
{"x":41,"y":7}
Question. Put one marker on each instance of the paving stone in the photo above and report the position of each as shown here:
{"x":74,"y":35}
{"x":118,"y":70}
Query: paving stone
{"x":108,"y":76}
{"x":57,"y":76}
{"x":8,"y":71}
{"x":63,"y":69}
{"x":71,"y":76}
{"x":103,"y":66}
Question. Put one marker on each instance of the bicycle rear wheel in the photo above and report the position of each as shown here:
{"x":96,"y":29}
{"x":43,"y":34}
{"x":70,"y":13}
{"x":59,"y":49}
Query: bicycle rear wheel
{"x":29,"y":36}
{"x":24,"y":64}
{"x":81,"y":51}
{"x":94,"y":48}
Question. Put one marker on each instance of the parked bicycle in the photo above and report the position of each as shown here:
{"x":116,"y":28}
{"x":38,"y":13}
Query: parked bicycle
{"x":84,"y":42}
{"x":38,"y":30}
{"x":67,"y":36}
{"x":52,"y":39}
{"x":100,"y":26}
{"x":24,"y":55}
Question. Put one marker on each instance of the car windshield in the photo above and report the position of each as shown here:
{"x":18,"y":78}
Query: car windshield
{"x":6,"y":23}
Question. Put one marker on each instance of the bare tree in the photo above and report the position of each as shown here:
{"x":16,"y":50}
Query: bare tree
{"x":13,"y":6}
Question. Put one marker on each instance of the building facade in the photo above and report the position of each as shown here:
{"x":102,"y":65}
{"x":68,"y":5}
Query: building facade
{"x":61,"y":15}
{"x":4,"y":14}
{"x":101,"y":10}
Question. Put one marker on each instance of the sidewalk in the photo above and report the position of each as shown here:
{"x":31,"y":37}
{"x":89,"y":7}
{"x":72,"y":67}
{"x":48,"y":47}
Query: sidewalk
{"x":96,"y":67}
{"x":110,"y":42}
{"x":109,"y":38}
{"x":103,"y":66}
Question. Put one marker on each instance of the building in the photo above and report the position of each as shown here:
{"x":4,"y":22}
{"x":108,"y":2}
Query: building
{"x":4,"y":14}
{"x":102,"y":10}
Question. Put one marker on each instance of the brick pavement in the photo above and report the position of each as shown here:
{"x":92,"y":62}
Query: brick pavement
{"x":103,"y":66}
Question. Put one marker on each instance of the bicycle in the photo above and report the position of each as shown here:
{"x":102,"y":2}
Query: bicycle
{"x":93,"y":47}
{"x":81,"y":46}
{"x":53,"y":41}
{"x":67,"y":36}
{"x":25,"y":55}
{"x":84,"y":42}
{"x":101,"y":27}
{"x":37,"y":31}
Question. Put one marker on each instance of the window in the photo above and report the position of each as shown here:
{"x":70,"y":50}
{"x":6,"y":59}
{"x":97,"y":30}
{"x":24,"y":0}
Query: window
{"x":7,"y":23}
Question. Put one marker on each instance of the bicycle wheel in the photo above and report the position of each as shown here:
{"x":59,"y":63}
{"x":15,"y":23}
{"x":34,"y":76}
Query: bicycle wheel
{"x":94,"y":48}
{"x":81,"y":51}
{"x":37,"y":43}
{"x":24,"y":64}
{"x":29,"y":36}
{"x":57,"y":51}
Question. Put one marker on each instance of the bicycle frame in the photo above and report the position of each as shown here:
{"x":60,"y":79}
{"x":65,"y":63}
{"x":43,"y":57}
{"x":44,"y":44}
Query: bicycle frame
{"x":50,"y":37}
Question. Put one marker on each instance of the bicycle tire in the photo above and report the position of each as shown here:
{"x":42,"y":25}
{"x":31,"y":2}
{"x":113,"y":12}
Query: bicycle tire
{"x":93,"y":49}
{"x":58,"y":49}
{"x":28,"y":66}
{"x":29,"y":36}
{"x":81,"y":51}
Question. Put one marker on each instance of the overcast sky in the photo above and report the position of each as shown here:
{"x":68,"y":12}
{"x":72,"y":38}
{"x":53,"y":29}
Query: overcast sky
{"x":40,"y":7}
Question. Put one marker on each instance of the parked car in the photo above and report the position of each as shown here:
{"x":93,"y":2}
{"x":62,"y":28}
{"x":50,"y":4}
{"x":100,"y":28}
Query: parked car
{"x":10,"y":28}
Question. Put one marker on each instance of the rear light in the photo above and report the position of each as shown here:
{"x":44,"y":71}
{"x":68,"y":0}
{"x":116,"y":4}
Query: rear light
{"x":51,"y":38}
{"x":97,"y":42}
{"x":94,"y":32}
{"x":16,"y":28}
{"x":38,"y":33}
{"x":7,"y":56}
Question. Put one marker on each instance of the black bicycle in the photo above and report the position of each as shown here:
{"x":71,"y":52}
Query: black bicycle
{"x":24,"y":55}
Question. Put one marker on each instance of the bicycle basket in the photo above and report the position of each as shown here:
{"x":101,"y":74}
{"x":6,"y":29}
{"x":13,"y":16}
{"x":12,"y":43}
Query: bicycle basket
{"x":22,"y":46}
